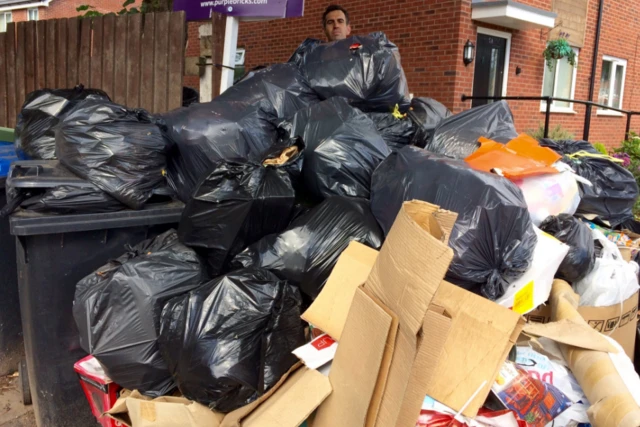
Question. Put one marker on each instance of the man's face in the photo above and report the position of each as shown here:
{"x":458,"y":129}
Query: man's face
{"x":336,"y":27}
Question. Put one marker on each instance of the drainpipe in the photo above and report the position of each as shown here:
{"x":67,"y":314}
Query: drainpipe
{"x":592,"y":83}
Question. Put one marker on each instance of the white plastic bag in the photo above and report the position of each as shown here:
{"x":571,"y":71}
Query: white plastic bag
{"x":551,"y":194}
{"x":612,"y":280}
{"x":534,"y":287}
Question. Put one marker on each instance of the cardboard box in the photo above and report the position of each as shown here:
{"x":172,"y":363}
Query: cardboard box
{"x":407,"y":331}
{"x":288,"y":404}
{"x":613,"y":405}
{"x":617,"y":321}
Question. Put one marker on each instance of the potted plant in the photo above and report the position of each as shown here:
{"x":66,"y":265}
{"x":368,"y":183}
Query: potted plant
{"x":558,"y":49}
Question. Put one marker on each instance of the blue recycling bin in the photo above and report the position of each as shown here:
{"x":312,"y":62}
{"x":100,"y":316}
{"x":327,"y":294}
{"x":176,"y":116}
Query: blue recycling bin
{"x":11,"y":344}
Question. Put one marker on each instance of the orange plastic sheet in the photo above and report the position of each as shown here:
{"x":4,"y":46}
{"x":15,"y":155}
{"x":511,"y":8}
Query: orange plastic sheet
{"x":522,"y":157}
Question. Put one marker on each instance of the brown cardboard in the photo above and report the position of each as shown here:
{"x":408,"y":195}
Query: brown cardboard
{"x":134,"y":410}
{"x":287,"y":404}
{"x":613,"y":405}
{"x":481,"y":336}
{"x":354,"y":379}
{"x":618,"y":322}
{"x":329,"y":311}
{"x":415,"y":360}
{"x":412,"y":262}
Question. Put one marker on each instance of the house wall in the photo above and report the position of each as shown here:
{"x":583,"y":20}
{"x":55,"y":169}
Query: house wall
{"x":431,"y":34}
{"x":67,"y":8}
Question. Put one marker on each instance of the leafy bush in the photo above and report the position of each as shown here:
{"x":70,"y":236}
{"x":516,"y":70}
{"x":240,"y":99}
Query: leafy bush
{"x":600,"y":147}
{"x":629,"y":153}
{"x":557,"y":133}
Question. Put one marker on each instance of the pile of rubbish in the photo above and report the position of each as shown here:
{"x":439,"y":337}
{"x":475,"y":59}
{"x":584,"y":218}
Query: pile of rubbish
{"x":344,"y":248}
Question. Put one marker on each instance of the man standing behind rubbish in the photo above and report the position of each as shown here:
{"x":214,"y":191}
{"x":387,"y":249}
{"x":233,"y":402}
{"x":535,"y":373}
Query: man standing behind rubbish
{"x":336,"y":23}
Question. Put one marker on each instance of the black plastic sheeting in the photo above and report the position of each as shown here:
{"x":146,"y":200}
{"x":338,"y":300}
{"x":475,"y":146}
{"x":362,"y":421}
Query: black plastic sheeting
{"x":614,"y":190}
{"x":397,"y":133}
{"x":426,"y":114}
{"x":581,"y":256}
{"x":67,"y":199}
{"x":118,"y":308}
{"x":364,"y":69}
{"x":308,"y":250}
{"x":239,"y":125}
{"x":41,"y":112}
{"x":189,"y":96}
{"x":120,"y":151}
{"x":236,"y":205}
{"x":457,"y":136}
{"x":563,"y":147}
{"x":230,"y":341}
{"x":302,"y":50}
{"x":343,"y":149}
{"x":493,"y":238}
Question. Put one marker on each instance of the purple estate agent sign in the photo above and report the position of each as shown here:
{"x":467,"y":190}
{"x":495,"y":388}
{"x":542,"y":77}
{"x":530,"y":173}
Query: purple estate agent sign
{"x":197,"y":10}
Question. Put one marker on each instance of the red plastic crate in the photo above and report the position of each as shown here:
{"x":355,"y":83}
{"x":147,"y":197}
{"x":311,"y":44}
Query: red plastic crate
{"x":101,"y":392}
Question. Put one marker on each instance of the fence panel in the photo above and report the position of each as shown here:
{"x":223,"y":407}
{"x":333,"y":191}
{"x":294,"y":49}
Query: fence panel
{"x":137,"y":59}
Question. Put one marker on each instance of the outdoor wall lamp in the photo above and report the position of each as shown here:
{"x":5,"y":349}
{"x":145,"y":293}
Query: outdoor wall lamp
{"x":468,"y":52}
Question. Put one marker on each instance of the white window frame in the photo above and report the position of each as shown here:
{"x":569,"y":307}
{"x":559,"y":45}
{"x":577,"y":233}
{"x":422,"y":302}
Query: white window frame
{"x":33,"y":9}
{"x":507,"y":53}
{"x":615,"y":61}
{"x":554,"y":109}
{"x":5,"y":15}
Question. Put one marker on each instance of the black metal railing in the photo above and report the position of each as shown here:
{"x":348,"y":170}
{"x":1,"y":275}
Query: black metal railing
{"x":549,"y":101}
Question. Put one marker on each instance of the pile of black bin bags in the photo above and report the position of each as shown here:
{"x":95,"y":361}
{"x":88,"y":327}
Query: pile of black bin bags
{"x":278,"y":175}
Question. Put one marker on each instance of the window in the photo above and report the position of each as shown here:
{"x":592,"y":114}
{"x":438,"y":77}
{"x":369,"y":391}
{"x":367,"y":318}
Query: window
{"x":5,"y":18}
{"x":32,"y":14}
{"x":560,"y":81}
{"x":612,"y":84}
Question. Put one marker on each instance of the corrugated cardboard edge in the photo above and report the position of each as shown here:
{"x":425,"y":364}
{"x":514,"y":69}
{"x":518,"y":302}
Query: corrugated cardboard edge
{"x":414,"y":260}
{"x":329,"y":311}
{"x":354,"y":373}
{"x":435,"y":330}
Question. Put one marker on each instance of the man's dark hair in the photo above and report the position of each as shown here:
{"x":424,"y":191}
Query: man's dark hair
{"x":333,"y":8}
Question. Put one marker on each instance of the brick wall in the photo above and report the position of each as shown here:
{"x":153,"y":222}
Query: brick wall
{"x":67,"y":8}
{"x":431,"y":34}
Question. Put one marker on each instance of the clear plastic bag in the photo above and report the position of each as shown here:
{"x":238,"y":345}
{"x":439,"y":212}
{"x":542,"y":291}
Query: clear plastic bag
{"x":612,"y":280}
{"x":548,"y":195}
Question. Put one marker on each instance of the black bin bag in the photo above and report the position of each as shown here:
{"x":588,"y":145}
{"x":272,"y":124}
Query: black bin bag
{"x":343,"y":148}
{"x":457,"y":136}
{"x":308,"y":250}
{"x":237,"y":204}
{"x":239,"y":125}
{"x":493,"y":238}
{"x":564,"y":147}
{"x":120,"y":151}
{"x":302,"y":50}
{"x":67,"y":199}
{"x":229,"y":341}
{"x":396,"y":132}
{"x":118,"y":308}
{"x":364,"y":69}
{"x":581,"y":256}
{"x":43,"y":109}
{"x":426,"y":114}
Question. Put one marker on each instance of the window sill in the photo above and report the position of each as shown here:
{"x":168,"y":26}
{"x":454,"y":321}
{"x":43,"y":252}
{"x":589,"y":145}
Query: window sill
{"x":609,"y":113}
{"x":558,"y":110}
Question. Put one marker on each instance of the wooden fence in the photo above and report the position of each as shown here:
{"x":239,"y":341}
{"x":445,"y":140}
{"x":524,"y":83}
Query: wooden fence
{"x":137,"y":59}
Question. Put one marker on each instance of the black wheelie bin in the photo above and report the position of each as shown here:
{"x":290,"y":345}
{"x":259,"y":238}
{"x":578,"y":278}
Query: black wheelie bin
{"x":53,"y":253}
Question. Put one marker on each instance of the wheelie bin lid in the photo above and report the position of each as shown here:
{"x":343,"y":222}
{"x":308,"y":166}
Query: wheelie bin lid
{"x":26,"y":223}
